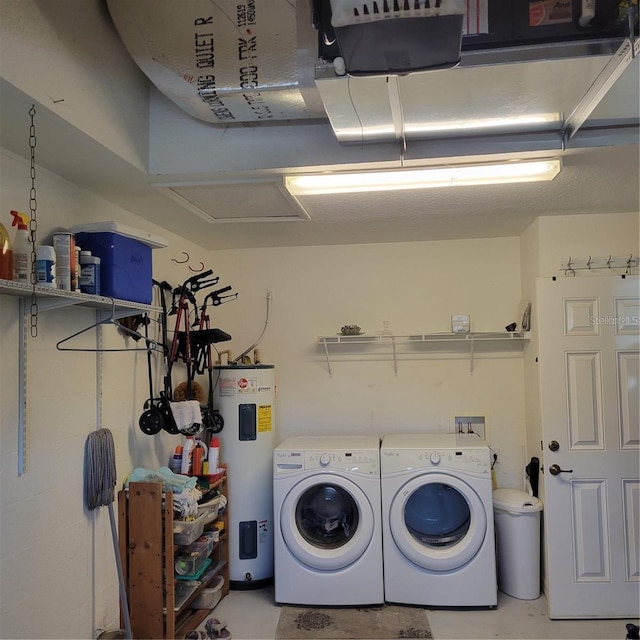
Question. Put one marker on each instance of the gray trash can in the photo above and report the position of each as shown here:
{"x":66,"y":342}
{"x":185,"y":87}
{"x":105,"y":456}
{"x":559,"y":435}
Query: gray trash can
{"x":517,"y":524}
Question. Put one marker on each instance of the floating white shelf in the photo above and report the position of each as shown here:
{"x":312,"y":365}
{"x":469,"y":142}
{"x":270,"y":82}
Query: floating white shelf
{"x":451,"y":342}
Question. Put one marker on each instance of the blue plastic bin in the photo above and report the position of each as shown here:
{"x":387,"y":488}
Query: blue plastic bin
{"x":126,"y":266}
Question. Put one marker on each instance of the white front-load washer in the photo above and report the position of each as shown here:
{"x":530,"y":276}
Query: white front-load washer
{"x":327,"y":515}
{"x":439,"y":547}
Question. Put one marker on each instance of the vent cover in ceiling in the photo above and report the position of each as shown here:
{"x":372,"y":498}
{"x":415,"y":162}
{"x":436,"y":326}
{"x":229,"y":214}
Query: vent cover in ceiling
{"x":240,"y":201}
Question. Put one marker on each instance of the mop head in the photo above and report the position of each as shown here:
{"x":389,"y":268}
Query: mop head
{"x":99,"y":469}
{"x":197,"y":392}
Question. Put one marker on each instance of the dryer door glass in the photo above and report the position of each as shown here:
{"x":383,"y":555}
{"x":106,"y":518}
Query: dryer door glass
{"x":326,"y":516}
{"x":437,"y":515}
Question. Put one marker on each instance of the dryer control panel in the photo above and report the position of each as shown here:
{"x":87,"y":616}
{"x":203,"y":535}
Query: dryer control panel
{"x":472,"y":460}
{"x":367,"y":462}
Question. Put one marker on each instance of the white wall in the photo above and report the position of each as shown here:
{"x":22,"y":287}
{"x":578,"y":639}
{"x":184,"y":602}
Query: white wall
{"x":67,"y":56}
{"x":416,"y":287}
{"x":56,"y":560}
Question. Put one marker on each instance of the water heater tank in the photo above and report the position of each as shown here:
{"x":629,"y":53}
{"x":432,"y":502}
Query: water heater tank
{"x":245,"y":398}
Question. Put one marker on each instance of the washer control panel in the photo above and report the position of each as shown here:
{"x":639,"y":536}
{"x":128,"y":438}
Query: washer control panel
{"x":367,"y":462}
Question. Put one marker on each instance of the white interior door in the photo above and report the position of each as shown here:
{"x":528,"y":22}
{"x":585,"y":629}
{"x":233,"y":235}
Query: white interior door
{"x":589,"y":383}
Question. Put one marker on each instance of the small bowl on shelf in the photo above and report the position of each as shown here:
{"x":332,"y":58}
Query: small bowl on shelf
{"x":350,"y":330}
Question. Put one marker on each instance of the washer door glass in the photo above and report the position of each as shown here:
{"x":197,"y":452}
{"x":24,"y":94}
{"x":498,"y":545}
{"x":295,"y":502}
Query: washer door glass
{"x":327,"y":521}
{"x":437,"y":515}
{"x":438,"y":521}
{"x":327,"y":516}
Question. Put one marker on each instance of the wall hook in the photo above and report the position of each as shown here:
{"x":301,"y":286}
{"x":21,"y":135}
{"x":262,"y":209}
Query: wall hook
{"x":569,"y":270}
{"x":609,"y":262}
{"x":181,"y":261}
{"x":197,"y":270}
{"x":630,"y":263}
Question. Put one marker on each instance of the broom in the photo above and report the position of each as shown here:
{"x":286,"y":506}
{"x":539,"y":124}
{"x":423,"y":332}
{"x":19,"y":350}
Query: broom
{"x":99,"y":491}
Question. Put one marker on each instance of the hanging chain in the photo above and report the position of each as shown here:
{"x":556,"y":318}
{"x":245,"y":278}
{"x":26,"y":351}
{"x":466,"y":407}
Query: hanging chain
{"x":33,"y":224}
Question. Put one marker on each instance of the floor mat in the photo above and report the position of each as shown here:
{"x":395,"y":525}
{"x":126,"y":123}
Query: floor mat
{"x":384,"y":622}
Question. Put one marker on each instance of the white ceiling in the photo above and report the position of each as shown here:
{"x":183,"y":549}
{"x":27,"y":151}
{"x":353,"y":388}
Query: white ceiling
{"x":600,"y":174}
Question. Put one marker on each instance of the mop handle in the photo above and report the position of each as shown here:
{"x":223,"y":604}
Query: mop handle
{"x":123,"y":593}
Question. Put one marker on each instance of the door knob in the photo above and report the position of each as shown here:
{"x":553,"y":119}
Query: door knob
{"x":554,"y":445}
{"x":554,"y":470}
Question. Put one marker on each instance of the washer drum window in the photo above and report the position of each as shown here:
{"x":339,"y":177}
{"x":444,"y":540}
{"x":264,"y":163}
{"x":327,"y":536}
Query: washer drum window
{"x":438,"y":521}
{"x":327,"y":522}
{"x":327,"y":516}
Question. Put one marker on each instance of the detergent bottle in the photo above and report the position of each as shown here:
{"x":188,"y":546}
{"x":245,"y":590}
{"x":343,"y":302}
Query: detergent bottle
{"x":21,"y":248}
{"x":6,"y":255}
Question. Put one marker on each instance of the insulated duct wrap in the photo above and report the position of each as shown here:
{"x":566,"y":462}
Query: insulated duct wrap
{"x":225,"y":62}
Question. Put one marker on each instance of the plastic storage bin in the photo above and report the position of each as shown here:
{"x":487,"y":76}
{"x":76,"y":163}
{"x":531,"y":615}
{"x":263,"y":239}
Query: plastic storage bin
{"x":187,"y":531}
{"x":189,"y":561}
{"x":210,"y":597}
{"x":517,"y":524}
{"x":210,"y":509}
{"x":125,"y":258}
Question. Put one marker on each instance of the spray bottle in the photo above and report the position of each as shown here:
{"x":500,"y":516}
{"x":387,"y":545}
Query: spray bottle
{"x":187,"y":456}
{"x":6,"y":255}
{"x":21,"y":248}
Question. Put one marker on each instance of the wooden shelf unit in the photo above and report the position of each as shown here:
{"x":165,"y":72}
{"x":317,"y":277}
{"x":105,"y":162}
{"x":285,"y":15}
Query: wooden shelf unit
{"x":147,"y":550}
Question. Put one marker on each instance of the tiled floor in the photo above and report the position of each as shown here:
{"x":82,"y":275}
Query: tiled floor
{"x":252,"y":615}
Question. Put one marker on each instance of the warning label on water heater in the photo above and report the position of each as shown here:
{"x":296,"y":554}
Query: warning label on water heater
{"x":233,"y":386}
{"x":263,"y":531}
{"x":264,"y":417}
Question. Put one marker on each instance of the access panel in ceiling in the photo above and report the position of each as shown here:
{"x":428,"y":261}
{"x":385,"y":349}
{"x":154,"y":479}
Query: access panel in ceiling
{"x":253,"y":200}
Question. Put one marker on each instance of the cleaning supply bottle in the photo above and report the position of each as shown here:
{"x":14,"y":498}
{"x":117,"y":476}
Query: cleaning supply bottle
{"x":89,"y":273}
{"x":46,"y":266}
{"x":187,"y":455}
{"x":200,"y":459}
{"x":214,"y":455}
{"x":6,"y":255}
{"x":196,"y":466}
{"x":21,"y":248}
{"x":176,"y":460}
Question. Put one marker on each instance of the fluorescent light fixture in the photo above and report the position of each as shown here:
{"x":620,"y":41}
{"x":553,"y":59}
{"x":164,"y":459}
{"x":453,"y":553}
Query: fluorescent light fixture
{"x":398,"y":179}
{"x":507,"y":122}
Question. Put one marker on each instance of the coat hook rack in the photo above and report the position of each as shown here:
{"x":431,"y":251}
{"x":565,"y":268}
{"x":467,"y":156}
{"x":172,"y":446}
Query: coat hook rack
{"x":628,"y":263}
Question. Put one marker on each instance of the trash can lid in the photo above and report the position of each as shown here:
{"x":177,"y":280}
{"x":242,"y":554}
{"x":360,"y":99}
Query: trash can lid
{"x":515,"y":501}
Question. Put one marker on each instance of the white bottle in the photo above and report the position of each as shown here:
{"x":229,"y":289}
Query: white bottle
{"x":214,"y":455}
{"x":46,"y":266}
{"x":187,"y":454}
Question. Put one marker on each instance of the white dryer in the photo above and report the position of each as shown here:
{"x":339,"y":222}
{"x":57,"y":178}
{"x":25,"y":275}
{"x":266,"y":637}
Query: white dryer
{"x":327,"y":515}
{"x":439,"y":547}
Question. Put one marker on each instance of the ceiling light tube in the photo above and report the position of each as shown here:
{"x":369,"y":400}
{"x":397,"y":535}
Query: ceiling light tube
{"x":391,"y":180}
